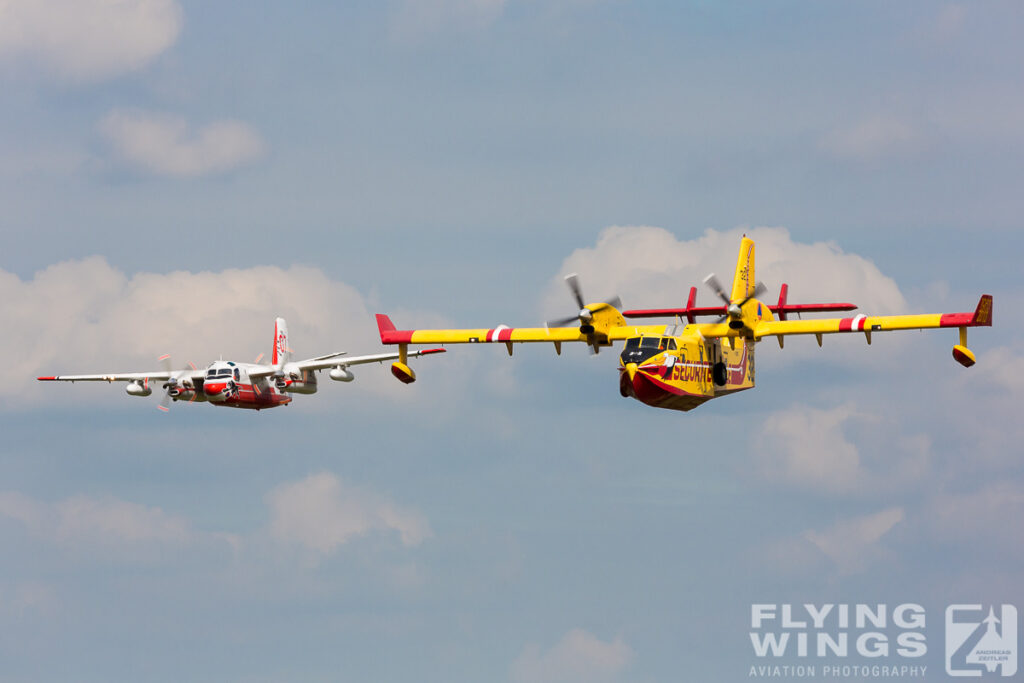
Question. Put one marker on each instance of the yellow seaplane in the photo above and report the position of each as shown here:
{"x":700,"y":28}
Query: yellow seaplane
{"x":680,"y":366}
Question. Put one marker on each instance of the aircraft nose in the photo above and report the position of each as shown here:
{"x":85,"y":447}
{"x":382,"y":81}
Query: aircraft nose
{"x":213,"y":388}
{"x":631,"y":370}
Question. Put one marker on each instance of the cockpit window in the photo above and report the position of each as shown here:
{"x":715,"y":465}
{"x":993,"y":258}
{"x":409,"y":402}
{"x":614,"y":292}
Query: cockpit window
{"x":639,"y":349}
{"x":212,"y":372}
{"x":236,"y":373}
{"x":224,"y":372}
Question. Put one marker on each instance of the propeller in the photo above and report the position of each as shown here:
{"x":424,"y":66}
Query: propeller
{"x":175,"y":382}
{"x":584,"y":316}
{"x":734,"y":310}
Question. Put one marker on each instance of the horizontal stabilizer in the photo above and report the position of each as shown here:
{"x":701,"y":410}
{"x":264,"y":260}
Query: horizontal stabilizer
{"x":781,"y":309}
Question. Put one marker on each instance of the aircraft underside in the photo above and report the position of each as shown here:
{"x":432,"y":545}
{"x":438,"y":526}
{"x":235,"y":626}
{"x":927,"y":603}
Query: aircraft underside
{"x":649,"y":389}
{"x":243,"y":397}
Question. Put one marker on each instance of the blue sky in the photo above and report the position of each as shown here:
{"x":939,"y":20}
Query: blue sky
{"x":176,"y":174}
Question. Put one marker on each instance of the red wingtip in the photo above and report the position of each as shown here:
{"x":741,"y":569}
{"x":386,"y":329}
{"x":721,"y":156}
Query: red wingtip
{"x":424,"y":352}
{"x":46,"y":379}
{"x":384,"y":324}
{"x":389,"y":334}
{"x":983,"y":313}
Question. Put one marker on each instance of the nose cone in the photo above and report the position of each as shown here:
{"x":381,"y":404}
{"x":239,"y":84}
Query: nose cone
{"x":214,"y":388}
{"x":631,"y":370}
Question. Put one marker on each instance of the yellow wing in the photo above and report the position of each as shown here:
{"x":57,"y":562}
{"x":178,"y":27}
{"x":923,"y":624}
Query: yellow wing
{"x":606,"y":326}
{"x":982,"y":316}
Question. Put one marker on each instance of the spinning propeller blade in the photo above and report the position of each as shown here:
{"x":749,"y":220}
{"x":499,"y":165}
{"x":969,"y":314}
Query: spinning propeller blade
{"x":733,"y":309}
{"x":573,"y":280}
{"x":174,"y":382}
{"x":716,"y":287}
{"x":585,"y":315}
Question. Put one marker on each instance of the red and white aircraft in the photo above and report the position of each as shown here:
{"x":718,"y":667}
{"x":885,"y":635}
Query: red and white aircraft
{"x":247,"y":385}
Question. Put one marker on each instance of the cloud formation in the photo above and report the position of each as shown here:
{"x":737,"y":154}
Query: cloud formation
{"x":649,"y":267}
{"x":164,"y":144}
{"x":852,"y":543}
{"x":88,"y":40}
{"x":578,"y":657}
{"x":322,"y":513}
{"x":840,"y":450}
{"x":81,"y":520}
{"x":85,"y":316}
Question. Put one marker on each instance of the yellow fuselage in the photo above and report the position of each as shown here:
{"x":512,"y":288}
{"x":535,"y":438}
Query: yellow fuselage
{"x":681,"y":372}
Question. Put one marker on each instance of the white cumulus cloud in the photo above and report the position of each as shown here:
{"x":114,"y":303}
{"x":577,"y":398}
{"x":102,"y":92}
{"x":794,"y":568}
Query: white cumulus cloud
{"x":839,"y":450}
{"x":649,"y":267}
{"x":88,"y":39}
{"x":87,"y":317}
{"x":579,"y":656}
{"x":807,"y":446}
{"x":165,"y":144}
{"x":322,"y":513}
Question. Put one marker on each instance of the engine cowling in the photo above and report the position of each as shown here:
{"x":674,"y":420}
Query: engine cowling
{"x":341,"y":374}
{"x":138,"y":389}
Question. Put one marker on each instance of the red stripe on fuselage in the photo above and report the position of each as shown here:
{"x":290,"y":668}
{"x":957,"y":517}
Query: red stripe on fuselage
{"x":654,"y":392}
{"x":247,"y":398}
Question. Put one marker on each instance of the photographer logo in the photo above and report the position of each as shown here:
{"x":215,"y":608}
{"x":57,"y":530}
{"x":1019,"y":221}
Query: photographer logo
{"x":980,"y":641}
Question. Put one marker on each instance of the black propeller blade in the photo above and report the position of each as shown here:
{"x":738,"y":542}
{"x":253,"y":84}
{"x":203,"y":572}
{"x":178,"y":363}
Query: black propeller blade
{"x":585,"y":315}
{"x":733,"y":310}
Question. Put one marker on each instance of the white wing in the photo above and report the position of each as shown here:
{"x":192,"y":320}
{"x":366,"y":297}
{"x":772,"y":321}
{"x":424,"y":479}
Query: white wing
{"x":334,"y":360}
{"x":119,"y":377}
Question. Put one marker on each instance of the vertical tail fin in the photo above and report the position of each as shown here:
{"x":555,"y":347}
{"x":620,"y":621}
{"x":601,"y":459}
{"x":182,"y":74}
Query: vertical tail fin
{"x":282,"y":350}
{"x":744,"y":282}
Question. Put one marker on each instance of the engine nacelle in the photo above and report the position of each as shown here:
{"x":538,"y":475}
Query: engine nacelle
{"x":297,"y":381}
{"x":341,"y":374}
{"x":138,"y":389}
